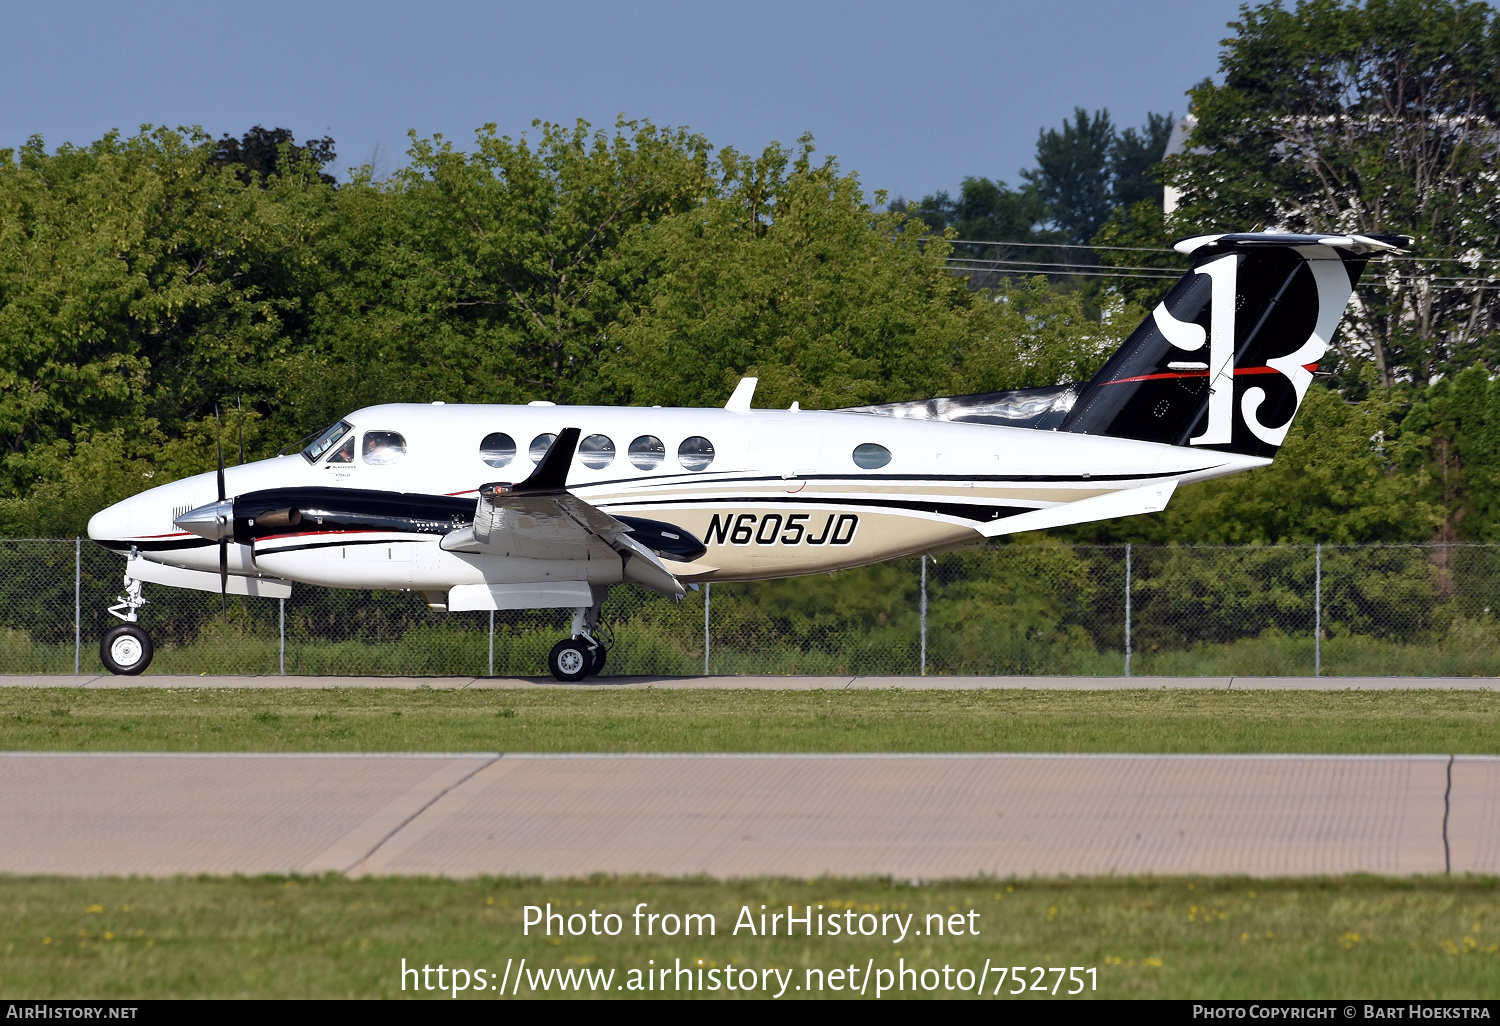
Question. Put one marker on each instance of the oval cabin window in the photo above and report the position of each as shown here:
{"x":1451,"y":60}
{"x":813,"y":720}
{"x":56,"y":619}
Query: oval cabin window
{"x":498,"y":449}
{"x":539,"y":446}
{"x":596,"y":452}
{"x":383,"y":447}
{"x":647,"y":452}
{"x":695,"y":453}
{"x":871,"y":456}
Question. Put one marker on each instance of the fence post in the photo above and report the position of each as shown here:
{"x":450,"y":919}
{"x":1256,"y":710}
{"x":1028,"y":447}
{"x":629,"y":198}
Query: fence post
{"x":708,"y":591}
{"x":281,"y":632}
{"x":1318,"y":610}
{"x":924,"y":616}
{"x":492,"y":642}
{"x":77,"y":603}
{"x":1127,"y":609}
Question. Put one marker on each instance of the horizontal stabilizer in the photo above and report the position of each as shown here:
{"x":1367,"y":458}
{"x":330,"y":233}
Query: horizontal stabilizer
{"x":1128,"y":502}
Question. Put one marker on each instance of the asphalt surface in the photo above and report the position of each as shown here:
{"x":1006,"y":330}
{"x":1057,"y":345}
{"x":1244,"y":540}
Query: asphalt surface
{"x":922,"y":816}
{"x":786,"y":683}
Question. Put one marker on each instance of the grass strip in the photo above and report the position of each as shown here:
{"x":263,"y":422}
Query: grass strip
{"x":331,"y":937}
{"x":561,"y":720}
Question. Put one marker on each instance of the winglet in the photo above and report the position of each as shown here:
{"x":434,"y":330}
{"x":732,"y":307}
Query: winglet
{"x":551,"y":475}
{"x":743,"y":393}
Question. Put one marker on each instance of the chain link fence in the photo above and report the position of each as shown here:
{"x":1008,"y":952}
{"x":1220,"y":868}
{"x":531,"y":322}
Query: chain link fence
{"x":1274,"y":610}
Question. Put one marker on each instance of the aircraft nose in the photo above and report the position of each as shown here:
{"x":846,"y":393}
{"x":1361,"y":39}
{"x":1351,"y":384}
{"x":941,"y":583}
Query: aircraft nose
{"x":214,"y":521}
{"x":106,"y":524}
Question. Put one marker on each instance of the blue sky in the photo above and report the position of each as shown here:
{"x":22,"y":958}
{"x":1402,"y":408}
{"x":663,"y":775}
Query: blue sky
{"x":912,"y":96}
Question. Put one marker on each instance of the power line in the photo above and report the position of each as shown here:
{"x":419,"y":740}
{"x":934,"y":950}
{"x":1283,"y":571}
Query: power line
{"x":1094,"y":271}
{"x":1000,"y":267}
{"x":1153,"y":249}
{"x":1054,"y":245}
{"x":1042,"y":263}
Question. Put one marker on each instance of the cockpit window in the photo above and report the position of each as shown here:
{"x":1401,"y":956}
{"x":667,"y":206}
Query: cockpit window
{"x":344,"y":453}
{"x":383,"y":447}
{"x":325,"y":441}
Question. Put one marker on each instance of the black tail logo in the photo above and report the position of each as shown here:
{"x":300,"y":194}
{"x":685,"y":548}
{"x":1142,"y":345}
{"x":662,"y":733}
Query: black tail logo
{"x":1226,"y":358}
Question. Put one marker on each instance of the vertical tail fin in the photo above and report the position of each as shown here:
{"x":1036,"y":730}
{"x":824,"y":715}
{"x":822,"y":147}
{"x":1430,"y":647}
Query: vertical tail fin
{"x":1224,"y":360}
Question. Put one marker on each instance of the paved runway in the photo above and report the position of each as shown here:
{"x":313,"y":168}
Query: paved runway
{"x":927,"y":816}
{"x":786,"y":683}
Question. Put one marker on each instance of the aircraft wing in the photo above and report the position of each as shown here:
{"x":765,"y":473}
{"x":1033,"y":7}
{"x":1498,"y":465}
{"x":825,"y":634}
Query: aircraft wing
{"x":540,"y":519}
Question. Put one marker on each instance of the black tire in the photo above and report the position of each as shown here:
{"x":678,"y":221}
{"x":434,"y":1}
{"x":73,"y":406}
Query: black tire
{"x":126,"y":650}
{"x":597,"y":666}
{"x":570,"y":660}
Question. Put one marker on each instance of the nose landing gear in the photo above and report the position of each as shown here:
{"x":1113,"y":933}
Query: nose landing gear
{"x":126,"y":650}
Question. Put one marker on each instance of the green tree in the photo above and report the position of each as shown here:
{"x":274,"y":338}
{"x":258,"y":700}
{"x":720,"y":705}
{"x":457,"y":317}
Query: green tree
{"x":788,"y":273}
{"x":1073,"y":173}
{"x":262,"y":152}
{"x":1336,"y":479}
{"x":139,"y":285}
{"x":490,"y":276}
{"x":1381,"y":116}
{"x":984,"y":210}
{"x":1456,"y":427}
{"x":1132,"y":157}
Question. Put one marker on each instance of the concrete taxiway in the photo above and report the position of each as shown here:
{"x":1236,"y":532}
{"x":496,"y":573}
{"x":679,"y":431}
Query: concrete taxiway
{"x":785,"y":683}
{"x":927,"y":816}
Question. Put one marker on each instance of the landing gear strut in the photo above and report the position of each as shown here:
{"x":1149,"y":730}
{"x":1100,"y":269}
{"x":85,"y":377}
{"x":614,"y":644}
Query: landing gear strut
{"x":581,"y":655}
{"x":126,"y":649}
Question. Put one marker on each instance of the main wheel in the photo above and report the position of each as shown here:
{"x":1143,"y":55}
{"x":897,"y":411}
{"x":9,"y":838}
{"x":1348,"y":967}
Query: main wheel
{"x":126,"y":650}
{"x":597,"y":666}
{"x":570,"y":660}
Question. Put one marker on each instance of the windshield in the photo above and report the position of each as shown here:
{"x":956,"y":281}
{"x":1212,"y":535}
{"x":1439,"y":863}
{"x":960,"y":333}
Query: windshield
{"x":325,"y":441}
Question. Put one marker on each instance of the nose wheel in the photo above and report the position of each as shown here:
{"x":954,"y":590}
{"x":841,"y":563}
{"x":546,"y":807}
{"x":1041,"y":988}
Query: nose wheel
{"x":126,"y":650}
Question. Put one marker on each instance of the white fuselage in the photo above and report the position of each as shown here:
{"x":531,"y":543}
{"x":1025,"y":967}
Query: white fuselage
{"x":781,"y":496}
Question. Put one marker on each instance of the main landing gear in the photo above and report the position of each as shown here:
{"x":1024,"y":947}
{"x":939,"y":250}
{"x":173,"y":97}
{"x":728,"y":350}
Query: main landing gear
{"x":581,"y":655}
{"x":127,"y":649}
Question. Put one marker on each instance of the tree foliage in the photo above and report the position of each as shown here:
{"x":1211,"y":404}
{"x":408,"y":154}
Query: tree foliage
{"x":139,"y":284}
{"x":1381,"y":116}
{"x":146,"y":280}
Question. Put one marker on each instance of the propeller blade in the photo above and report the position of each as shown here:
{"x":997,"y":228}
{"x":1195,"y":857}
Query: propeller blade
{"x":239,"y":406}
{"x":219,"y":445}
{"x":223,"y":542}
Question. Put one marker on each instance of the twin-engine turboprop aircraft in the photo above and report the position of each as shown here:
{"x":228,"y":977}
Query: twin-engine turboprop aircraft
{"x":544,"y":506}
